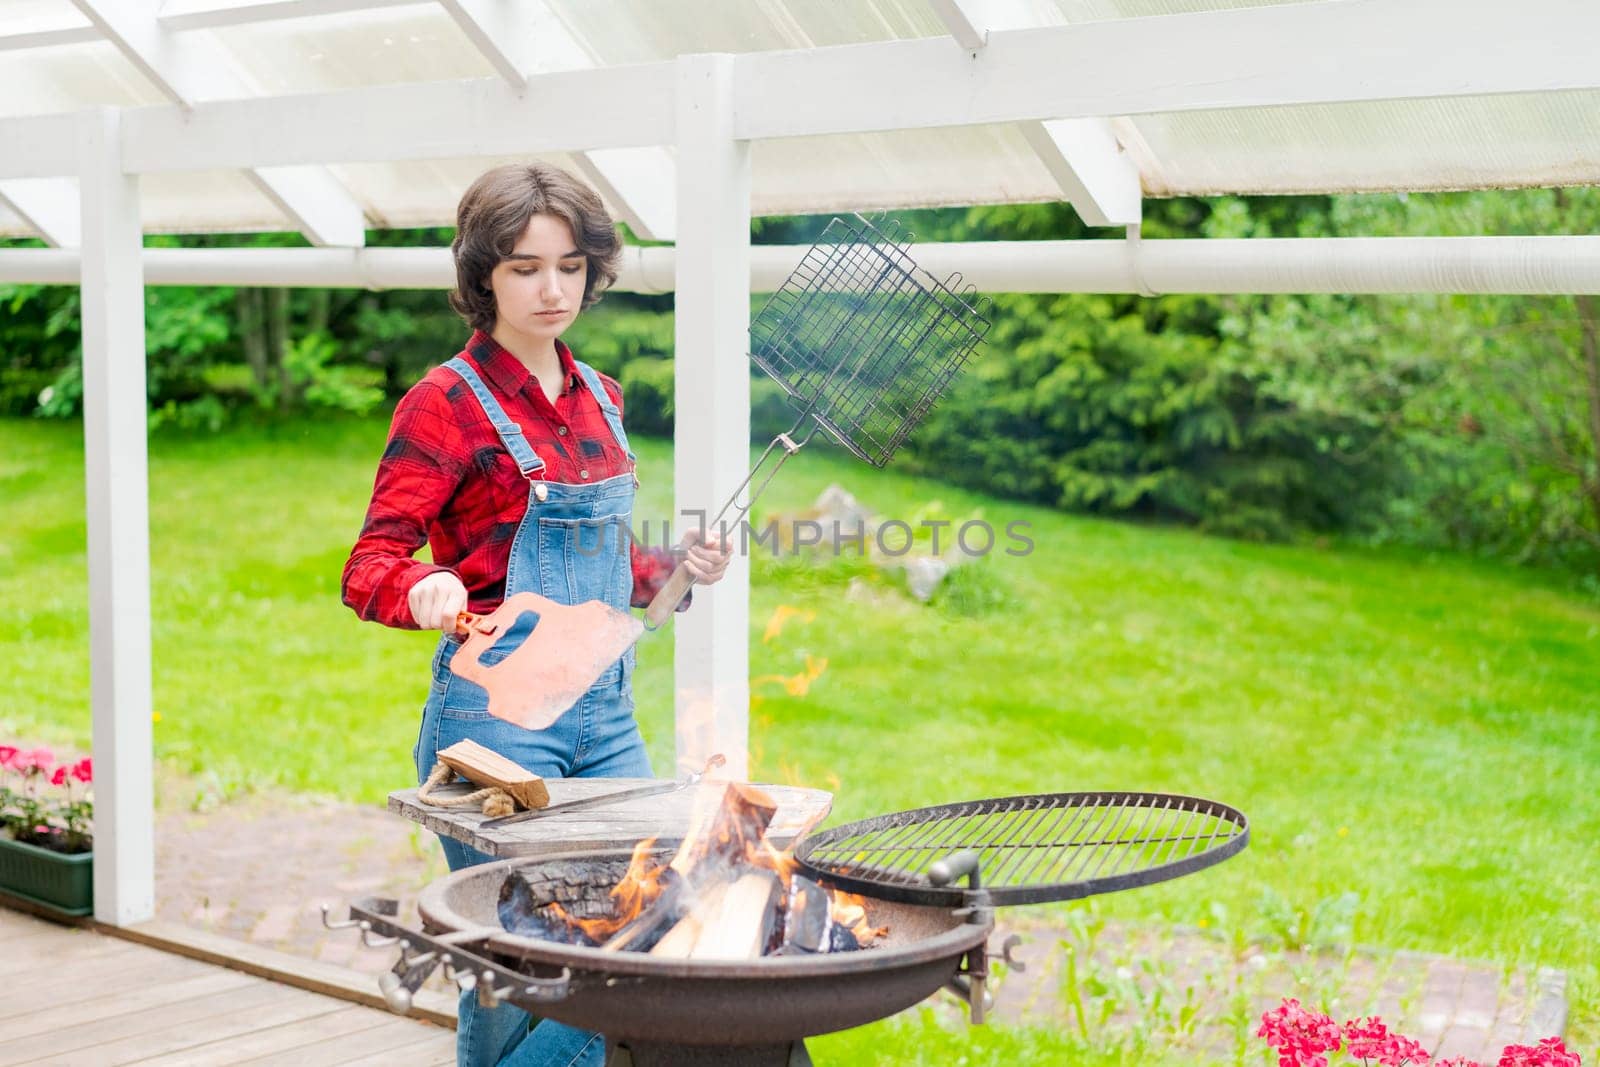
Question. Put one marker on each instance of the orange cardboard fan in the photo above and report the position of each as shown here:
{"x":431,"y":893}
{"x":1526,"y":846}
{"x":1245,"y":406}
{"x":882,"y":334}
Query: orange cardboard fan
{"x":543,"y":656}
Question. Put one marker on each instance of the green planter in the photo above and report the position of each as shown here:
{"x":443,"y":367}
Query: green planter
{"x":57,"y":881}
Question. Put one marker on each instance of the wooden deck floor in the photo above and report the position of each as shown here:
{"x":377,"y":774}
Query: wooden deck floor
{"x":73,"y":996}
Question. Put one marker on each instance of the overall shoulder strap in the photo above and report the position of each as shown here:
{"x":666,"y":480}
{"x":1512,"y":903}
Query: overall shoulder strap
{"x":591,"y":377}
{"x":528,"y":461}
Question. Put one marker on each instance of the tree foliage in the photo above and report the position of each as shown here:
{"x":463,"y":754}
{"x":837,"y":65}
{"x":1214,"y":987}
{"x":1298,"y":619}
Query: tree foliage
{"x":1461,"y":421}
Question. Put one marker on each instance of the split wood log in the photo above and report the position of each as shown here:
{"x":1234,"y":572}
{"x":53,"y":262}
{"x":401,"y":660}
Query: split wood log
{"x":742,"y":926}
{"x":726,"y":840}
{"x":679,"y":941}
{"x":580,"y":888}
{"x":484,"y":767}
{"x":714,"y":855}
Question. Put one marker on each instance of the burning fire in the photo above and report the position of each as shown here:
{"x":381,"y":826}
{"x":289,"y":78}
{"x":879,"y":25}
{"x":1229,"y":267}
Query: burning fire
{"x":726,"y":892}
{"x":639,"y":888}
{"x":850,"y":912}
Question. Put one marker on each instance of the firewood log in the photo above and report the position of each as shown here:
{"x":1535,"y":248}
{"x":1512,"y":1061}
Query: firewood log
{"x":582,"y":889}
{"x":679,"y":942}
{"x":742,"y":923}
{"x":485,"y":767}
{"x":714,"y":846}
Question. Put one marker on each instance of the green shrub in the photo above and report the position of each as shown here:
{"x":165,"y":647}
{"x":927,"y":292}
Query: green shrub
{"x":647,"y":395}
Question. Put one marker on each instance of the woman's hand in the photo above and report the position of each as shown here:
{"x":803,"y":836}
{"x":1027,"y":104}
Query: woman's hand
{"x":436,"y":600}
{"x":706,"y":555}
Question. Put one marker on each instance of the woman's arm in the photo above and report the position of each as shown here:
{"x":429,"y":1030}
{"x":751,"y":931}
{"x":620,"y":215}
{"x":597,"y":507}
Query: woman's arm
{"x":707,"y":560}
{"x":423,"y":464}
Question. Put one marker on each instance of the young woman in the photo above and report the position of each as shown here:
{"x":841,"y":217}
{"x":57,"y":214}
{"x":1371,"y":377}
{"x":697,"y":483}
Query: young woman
{"x":511,"y":463}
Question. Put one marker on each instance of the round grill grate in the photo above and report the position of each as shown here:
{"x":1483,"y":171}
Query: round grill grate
{"x":1032,"y":849}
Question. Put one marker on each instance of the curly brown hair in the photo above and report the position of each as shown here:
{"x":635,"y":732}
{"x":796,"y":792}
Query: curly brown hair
{"x":495,"y":211}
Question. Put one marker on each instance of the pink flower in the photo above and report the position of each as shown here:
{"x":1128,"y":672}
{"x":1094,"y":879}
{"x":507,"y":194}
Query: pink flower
{"x":8,"y":756}
{"x":60,"y":777}
{"x":1371,"y":1040}
{"x":83,"y":770}
{"x":1299,"y":1036}
{"x":37,"y":759}
{"x":1551,"y":1052}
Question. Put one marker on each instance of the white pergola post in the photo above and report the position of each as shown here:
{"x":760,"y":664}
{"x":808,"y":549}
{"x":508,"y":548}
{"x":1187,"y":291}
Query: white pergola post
{"x":712,"y":403}
{"x":116,"y":477}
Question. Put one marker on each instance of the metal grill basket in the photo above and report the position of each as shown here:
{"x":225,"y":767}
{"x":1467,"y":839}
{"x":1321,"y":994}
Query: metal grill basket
{"x":863,"y":340}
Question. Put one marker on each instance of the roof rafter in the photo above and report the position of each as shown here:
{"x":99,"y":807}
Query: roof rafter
{"x":522,"y":37}
{"x":312,"y":198}
{"x":49,"y":205}
{"x":1093,"y":170}
{"x":18,"y":40}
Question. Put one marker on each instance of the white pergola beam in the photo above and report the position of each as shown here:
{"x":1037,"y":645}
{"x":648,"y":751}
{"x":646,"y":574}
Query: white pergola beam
{"x":1337,"y":51}
{"x":497,"y":30}
{"x":624,"y":106}
{"x":50,"y":205}
{"x":1095,"y":174}
{"x":318,"y":205}
{"x":17,"y":40}
{"x":116,"y":478}
{"x":1490,"y":265}
{"x":525,"y":37}
{"x":641,"y":183}
{"x":962,"y":23}
{"x":712,"y":400}
{"x":185,"y":73}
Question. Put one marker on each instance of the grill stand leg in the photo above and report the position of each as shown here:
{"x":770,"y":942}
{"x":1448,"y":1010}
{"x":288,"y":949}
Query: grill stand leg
{"x":639,"y":1054}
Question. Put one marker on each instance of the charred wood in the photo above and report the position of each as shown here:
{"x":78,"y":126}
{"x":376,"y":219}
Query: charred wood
{"x":808,"y":918}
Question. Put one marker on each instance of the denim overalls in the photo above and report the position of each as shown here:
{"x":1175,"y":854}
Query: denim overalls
{"x":571,"y":546}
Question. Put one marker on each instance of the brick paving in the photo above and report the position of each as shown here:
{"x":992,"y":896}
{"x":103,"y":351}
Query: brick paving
{"x":259,"y":866}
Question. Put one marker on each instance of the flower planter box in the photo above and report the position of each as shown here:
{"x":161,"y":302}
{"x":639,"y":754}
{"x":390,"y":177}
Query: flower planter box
{"x":61,"y":882}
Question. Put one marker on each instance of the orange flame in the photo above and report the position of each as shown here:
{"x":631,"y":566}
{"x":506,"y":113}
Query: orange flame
{"x":639,"y":888}
{"x":850,"y":912}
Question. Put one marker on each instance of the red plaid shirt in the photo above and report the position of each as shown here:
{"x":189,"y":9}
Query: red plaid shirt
{"x":446,"y":480}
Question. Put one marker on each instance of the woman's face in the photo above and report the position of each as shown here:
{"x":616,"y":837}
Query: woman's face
{"x":538,"y":288}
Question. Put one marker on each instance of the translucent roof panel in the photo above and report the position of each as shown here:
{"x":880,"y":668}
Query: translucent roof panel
{"x":1105,"y":10}
{"x":1466,"y":142}
{"x":66,"y":77}
{"x":41,"y":16}
{"x":218,"y":201}
{"x":642,"y":31}
{"x":903,"y":169}
{"x":424,"y":193}
{"x":386,"y":46}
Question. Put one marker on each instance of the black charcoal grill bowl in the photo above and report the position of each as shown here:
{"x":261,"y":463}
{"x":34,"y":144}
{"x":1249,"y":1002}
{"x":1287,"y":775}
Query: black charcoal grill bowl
{"x":765,"y":1001}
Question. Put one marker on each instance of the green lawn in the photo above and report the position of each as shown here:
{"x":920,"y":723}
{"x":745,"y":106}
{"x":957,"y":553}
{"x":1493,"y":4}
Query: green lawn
{"x":1421,"y":730}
